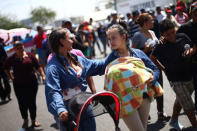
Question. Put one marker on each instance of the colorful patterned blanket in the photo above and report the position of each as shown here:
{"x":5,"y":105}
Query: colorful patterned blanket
{"x":127,"y":77}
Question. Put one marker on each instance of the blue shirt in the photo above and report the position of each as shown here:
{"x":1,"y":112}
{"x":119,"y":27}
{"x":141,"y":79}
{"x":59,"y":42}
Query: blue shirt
{"x":59,"y":79}
{"x":45,"y":47}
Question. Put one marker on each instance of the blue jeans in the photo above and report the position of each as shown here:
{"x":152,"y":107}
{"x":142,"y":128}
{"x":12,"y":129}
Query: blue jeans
{"x":87,"y":122}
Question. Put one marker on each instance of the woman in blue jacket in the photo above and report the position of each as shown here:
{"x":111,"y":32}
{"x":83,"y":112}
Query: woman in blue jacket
{"x":66,"y":76}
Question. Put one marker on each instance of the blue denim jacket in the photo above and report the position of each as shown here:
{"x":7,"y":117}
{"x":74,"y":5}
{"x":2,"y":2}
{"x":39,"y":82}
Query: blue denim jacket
{"x":58,"y":79}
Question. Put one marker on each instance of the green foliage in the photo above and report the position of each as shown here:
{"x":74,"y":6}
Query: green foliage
{"x":8,"y":23}
{"x":42,"y":15}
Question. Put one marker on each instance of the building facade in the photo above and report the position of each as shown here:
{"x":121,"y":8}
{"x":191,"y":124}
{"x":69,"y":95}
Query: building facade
{"x":125,"y":6}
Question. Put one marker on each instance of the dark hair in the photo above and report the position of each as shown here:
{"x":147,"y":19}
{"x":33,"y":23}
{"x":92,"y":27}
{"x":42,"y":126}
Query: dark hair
{"x":143,"y":10}
{"x":166,"y":25}
{"x":17,"y":38}
{"x":158,"y":7}
{"x":66,"y":23}
{"x":142,"y":19}
{"x":1,"y":39}
{"x":135,"y":13}
{"x":81,"y":26}
{"x":54,"y":41}
{"x":122,"y":29}
{"x":39,"y":28}
{"x":128,"y":14}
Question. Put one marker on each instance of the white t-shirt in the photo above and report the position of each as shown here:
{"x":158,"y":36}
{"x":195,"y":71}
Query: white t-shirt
{"x":161,"y":16}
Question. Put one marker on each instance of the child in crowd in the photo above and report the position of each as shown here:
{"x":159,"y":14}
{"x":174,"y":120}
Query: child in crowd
{"x":172,"y":56}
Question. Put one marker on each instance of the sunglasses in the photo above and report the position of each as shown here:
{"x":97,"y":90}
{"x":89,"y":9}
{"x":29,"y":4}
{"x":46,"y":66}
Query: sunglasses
{"x":19,"y":48}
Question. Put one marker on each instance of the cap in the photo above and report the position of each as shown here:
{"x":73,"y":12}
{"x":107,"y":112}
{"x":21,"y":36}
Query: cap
{"x":48,"y":32}
{"x":114,"y":12}
{"x":168,"y":10}
{"x":17,"y":43}
{"x":151,"y":12}
{"x":193,"y":7}
{"x":122,"y":16}
{"x":180,"y":8}
{"x":171,"y":4}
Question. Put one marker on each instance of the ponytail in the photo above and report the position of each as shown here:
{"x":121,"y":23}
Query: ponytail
{"x":54,"y":41}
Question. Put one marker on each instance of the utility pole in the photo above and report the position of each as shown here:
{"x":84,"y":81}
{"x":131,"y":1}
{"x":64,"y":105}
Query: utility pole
{"x":115,"y":5}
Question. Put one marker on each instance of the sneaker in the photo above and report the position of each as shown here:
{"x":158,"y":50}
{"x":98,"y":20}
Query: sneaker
{"x":163,"y":117}
{"x":175,"y":124}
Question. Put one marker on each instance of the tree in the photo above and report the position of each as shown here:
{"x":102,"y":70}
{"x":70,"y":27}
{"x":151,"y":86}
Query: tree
{"x":42,"y":15}
{"x":6,"y":22}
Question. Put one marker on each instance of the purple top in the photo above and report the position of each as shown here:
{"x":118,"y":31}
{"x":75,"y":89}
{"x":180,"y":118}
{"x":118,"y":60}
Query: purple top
{"x":23,"y":69}
{"x":74,"y":51}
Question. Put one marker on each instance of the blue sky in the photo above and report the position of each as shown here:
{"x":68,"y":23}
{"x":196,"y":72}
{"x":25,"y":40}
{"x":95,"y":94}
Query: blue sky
{"x":20,"y":9}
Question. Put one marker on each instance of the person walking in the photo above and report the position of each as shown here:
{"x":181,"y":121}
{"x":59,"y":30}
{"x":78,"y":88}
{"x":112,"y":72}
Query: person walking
{"x":137,"y":117}
{"x":172,"y":57}
{"x":190,"y":29}
{"x":145,"y":40}
{"x":5,"y":90}
{"x":66,"y":75}
{"x":38,"y":39}
{"x":24,"y":81}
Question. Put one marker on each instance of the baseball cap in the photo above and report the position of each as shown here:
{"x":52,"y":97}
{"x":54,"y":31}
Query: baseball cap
{"x":114,"y":12}
{"x":168,"y":10}
{"x":17,"y":43}
{"x":180,"y":8}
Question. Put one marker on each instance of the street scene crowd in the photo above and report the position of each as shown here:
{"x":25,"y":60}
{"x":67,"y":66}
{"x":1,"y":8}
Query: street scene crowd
{"x":143,"y":44}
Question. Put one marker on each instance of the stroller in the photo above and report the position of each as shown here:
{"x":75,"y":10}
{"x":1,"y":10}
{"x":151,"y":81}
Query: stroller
{"x":101,"y":103}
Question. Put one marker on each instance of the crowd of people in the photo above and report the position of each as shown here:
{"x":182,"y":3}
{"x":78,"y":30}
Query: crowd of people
{"x":163,"y":41}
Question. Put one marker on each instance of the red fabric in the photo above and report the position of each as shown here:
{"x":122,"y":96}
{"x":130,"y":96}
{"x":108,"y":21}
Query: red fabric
{"x":182,"y":4}
{"x":168,"y":10}
{"x":38,"y":40}
{"x":179,"y":8}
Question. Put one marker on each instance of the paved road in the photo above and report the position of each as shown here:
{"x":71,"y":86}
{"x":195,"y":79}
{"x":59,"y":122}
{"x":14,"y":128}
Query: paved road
{"x":10,"y":119}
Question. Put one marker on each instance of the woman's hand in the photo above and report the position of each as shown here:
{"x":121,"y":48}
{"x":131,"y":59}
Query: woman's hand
{"x":63,"y":116}
{"x":150,"y":83}
{"x":147,"y":48}
{"x":43,"y":78}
